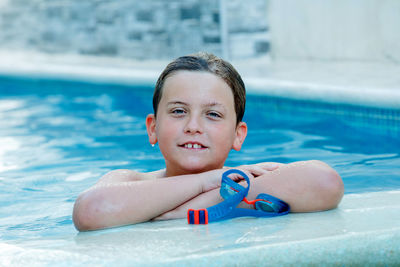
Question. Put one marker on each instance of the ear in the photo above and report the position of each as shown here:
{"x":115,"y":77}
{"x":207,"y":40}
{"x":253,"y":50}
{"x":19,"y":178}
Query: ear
{"x":241,"y":133}
{"x":151,"y":128}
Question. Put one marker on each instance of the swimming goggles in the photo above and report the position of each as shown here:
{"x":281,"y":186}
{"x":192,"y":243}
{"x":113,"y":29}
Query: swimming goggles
{"x":233,"y":193}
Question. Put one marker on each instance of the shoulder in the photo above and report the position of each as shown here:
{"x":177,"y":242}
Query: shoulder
{"x":124,"y":175}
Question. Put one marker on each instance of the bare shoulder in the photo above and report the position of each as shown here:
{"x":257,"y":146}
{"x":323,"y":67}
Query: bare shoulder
{"x":125,"y":175}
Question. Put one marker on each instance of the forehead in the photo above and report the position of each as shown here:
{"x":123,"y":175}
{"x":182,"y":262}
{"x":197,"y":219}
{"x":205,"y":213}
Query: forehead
{"x":197,"y":85}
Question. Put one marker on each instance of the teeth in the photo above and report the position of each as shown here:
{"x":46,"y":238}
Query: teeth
{"x":195,"y":146}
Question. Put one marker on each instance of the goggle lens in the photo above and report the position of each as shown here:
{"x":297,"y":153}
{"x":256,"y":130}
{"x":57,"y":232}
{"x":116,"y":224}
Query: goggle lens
{"x":266,"y":206}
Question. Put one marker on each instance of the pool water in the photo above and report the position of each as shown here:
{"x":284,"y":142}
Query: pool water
{"x":57,"y":137}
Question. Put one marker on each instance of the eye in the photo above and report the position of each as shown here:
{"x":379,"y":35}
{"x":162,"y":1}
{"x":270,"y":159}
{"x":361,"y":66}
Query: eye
{"x":178,"y":111}
{"x":214,"y":114}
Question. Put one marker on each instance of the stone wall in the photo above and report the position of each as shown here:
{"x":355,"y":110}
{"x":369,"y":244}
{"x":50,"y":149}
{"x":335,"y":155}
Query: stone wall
{"x":335,"y":30}
{"x":152,"y":29}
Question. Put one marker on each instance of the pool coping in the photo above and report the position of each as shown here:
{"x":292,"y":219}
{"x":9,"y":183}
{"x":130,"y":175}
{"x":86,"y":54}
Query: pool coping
{"x":362,"y":231}
{"x":355,"y":83}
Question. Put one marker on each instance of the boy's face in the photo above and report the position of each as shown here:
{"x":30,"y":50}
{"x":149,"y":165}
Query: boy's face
{"x":196,"y":123}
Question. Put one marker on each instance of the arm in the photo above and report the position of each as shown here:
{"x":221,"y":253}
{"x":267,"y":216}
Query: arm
{"x":306,"y":186}
{"x":121,"y":197}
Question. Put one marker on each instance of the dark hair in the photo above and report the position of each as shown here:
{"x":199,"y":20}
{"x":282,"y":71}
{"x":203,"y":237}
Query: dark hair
{"x":208,"y":63}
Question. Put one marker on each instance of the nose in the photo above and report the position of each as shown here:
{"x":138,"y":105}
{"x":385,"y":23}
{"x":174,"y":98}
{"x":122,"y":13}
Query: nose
{"x":193,"y":125}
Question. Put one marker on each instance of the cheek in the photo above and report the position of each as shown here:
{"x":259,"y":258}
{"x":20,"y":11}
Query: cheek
{"x":166,"y":130}
{"x":224,"y":134}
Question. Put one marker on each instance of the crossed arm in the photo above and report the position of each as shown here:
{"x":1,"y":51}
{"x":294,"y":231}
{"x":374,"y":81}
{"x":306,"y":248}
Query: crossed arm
{"x":126,"y":197}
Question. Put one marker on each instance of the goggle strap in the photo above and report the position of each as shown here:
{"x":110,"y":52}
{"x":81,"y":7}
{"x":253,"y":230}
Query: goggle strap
{"x":234,"y":193}
{"x":230,"y":187}
{"x":197,"y":216}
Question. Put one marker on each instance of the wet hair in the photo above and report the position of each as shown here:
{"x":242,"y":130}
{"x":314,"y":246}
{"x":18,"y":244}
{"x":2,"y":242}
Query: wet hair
{"x":207,"y":63}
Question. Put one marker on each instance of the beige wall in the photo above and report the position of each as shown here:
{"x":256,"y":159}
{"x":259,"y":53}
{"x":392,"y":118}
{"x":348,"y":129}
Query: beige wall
{"x":362,"y":30}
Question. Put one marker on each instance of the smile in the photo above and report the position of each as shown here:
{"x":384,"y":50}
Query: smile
{"x":193,"y":146}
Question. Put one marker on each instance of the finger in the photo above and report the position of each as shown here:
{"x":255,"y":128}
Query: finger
{"x":247,"y":172}
{"x":257,"y":171}
{"x":237,"y":177}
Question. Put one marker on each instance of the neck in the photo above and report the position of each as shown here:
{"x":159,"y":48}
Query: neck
{"x":169,"y":172}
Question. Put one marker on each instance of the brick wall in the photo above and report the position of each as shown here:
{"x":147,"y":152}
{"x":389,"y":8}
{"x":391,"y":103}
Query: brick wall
{"x":153,"y":29}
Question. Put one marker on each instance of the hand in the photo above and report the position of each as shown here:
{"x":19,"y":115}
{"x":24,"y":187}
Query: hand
{"x":213,"y":179}
{"x":259,"y":169}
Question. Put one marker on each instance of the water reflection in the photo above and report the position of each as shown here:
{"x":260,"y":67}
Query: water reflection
{"x":51,"y":148}
{"x":7,"y":145}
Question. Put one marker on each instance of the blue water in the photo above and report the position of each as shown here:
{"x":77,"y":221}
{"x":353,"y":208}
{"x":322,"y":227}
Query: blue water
{"x":58,"y":137}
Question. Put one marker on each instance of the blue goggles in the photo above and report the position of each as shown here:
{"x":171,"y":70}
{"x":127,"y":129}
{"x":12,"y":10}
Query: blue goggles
{"x":233,"y":193}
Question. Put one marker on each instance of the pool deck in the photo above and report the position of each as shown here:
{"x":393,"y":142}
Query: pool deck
{"x":371,"y":84}
{"x":363,"y":231}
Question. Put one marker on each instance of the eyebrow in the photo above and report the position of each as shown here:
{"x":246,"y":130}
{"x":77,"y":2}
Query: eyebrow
{"x":177,"y":103}
{"x":210,"y":104}
{"x":214,"y":104}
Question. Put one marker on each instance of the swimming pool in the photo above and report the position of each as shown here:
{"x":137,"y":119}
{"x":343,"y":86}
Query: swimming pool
{"x":57,"y":137}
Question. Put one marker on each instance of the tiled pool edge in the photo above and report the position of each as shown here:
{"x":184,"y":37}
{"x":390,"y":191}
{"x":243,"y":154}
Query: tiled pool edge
{"x":356,"y":233}
{"x":313,"y":92}
{"x":368,"y":97}
{"x":362,"y":105}
{"x":363,"y":242}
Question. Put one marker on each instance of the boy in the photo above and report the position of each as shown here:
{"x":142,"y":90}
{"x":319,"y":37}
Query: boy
{"x":199,"y":103}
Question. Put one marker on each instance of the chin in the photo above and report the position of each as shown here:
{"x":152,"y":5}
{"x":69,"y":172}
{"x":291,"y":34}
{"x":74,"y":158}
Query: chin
{"x":198,"y":168}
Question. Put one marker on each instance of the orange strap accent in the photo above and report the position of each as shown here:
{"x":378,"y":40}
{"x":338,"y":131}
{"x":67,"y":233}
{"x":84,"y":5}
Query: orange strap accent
{"x":196,"y":216}
{"x":255,"y":200}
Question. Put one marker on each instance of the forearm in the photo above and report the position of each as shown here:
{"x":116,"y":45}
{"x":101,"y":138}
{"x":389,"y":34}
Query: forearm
{"x":306,"y":186}
{"x":113,"y":204}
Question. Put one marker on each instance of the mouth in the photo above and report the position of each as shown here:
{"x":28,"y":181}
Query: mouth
{"x":193,"y":145}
